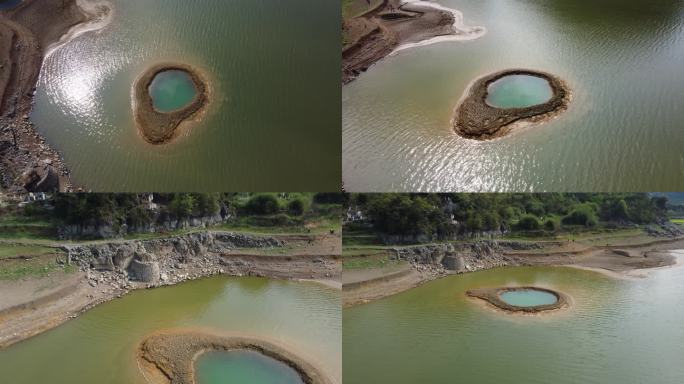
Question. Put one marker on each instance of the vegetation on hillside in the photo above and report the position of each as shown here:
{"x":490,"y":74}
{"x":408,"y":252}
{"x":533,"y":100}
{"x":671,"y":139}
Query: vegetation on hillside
{"x":449,"y":216}
{"x":139,"y":212}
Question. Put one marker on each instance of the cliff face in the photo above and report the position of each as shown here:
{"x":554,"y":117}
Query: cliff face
{"x":110,"y":230}
{"x":167,"y":260}
{"x":463,"y":257}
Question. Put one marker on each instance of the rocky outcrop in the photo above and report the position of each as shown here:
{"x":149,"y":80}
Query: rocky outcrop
{"x":164,"y":260}
{"x":463,"y":257}
{"x":108,"y":230}
{"x":144,"y":268}
{"x":664,"y":228}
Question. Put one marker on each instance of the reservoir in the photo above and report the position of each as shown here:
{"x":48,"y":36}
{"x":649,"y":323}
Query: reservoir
{"x":622,"y":131}
{"x":617,"y":331}
{"x":273,"y":120}
{"x":100,"y":346}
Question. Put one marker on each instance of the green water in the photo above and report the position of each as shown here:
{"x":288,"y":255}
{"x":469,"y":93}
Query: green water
{"x":616,"y":332}
{"x":172,"y":90}
{"x":100,"y":346}
{"x":244,"y":367}
{"x":622,"y":60}
{"x":528,"y":298}
{"x":273,"y":122}
{"x":518,"y":91}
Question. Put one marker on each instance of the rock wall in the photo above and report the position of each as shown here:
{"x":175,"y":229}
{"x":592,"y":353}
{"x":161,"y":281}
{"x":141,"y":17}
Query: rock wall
{"x":110,"y":230}
{"x":419,"y":239}
{"x":150,"y":261}
{"x":463,"y":257}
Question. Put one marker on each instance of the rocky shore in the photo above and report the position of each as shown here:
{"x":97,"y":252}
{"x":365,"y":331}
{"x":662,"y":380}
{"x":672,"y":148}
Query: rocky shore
{"x":109,"y":270}
{"x":27,"y":33}
{"x":475,"y":119}
{"x":161,"y":127}
{"x":169,"y":356}
{"x":376,"y":33}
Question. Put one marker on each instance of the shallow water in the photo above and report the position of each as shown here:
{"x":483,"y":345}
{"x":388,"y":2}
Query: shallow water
{"x":172,"y":90}
{"x":273,"y":122}
{"x":622,"y":131}
{"x":243,"y":367}
{"x":615,"y":332}
{"x":528,"y":298}
{"x":100,"y":346}
{"x":518,"y":91}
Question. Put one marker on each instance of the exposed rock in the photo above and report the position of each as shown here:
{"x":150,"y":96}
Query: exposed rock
{"x":144,"y":268}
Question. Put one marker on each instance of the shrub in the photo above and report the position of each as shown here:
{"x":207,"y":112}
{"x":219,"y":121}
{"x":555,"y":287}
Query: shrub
{"x":528,"y":223}
{"x":581,"y":214}
{"x":264,"y":204}
{"x":296,"y":207}
{"x":552,"y":224}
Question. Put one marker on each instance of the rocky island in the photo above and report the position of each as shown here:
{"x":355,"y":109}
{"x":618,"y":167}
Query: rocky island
{"x":475,"y":118}
{"x":494,"y":297}
{"x":182,"y":94}
{"x":169,"y":356}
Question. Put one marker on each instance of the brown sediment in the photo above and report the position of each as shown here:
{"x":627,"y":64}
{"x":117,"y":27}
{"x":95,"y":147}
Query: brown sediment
{"x":475,"y":119}
{"x":161,"y":127}
{"x":493,"y":297}
{"x":169,"y":356}
{"x":27,"y":32}
{"x":375,"y":33}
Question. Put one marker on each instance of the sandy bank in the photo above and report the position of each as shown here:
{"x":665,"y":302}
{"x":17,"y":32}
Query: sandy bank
{"x":396,"y":25}
{"x":28,"y":33}
{"x":161,"y":127}
{"x":106,"y":268}
{"x":169,"y":356}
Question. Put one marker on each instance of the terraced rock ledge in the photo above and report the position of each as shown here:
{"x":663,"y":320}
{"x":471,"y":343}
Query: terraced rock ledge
{"x":475,"y":119}
{"x":161,"y":127}
{"x":493,"y":297}
{"x":169,"y":357}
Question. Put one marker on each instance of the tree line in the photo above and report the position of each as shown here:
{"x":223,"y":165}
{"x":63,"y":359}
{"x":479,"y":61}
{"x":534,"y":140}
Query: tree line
{"x":447,"y":215}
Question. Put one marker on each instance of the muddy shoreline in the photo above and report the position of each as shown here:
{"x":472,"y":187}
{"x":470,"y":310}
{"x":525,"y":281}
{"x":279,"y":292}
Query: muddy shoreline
{"x":181,"y":259}
{"x":161,"y":127}
{"x":28,"y":33}
{"x":609,"y":260}
{"x":475,"y":119}
{"x":376,"y":33}
{"x":169,"y":356}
